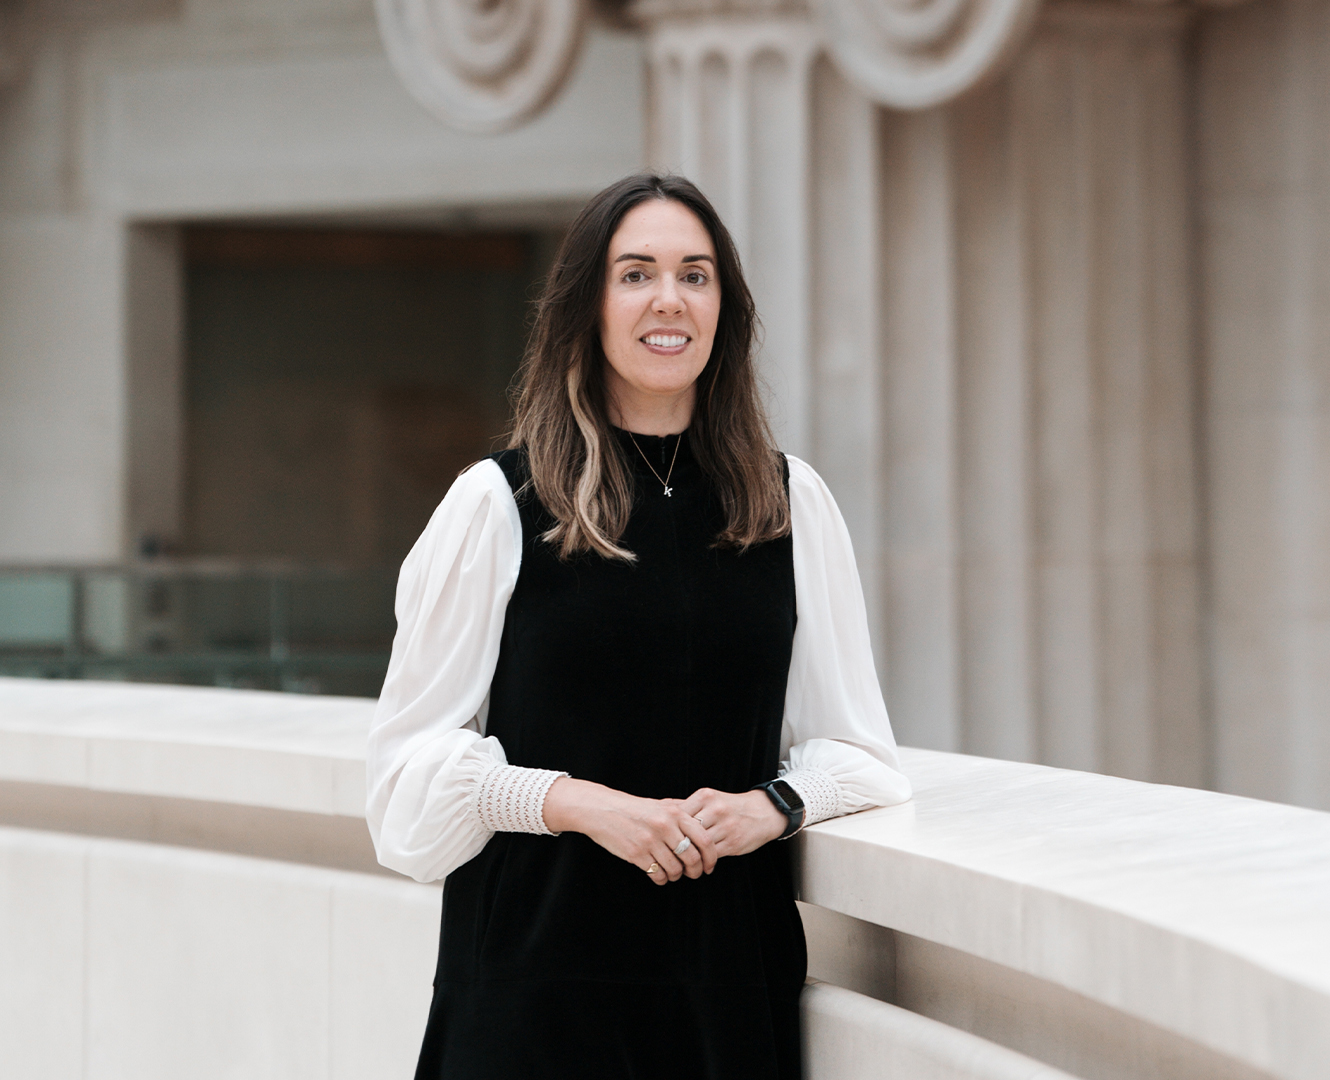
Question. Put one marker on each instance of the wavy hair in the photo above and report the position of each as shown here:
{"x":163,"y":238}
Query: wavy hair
{"x":578,"y":469}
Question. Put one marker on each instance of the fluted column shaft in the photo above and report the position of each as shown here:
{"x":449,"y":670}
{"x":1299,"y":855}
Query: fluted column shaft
{"x":1040,"y":514}
{"x":1264,"y":200}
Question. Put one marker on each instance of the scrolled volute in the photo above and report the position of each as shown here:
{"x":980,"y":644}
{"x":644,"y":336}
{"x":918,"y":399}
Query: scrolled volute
{"x":482,"y":65}
{"x":912,"y":54}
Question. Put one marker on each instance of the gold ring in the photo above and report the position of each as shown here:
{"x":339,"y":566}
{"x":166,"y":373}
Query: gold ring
{"x":653,"y":868}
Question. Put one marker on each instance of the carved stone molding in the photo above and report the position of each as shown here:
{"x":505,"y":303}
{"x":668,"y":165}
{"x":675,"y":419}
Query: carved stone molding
{"x":912,"y":54}
{"x":482,"y":65}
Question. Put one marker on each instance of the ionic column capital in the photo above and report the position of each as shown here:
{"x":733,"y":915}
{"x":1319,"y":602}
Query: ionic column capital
{"x":654,"y":12}
{"x":482,"y":65}
{"x":913,"y":54}
{"x":907,"y":54}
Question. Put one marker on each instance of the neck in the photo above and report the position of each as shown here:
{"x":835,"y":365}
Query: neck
{"x":665,"y":415}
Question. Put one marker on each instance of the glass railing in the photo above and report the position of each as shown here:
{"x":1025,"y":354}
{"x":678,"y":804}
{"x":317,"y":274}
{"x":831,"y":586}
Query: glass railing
{"x":274,"y":626}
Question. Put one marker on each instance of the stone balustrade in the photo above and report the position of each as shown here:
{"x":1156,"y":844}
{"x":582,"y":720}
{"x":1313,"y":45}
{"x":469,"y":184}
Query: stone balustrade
{"x":187,"y":888}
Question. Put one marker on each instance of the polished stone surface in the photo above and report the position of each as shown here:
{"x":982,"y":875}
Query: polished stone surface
{"x":247,"y":747}
{"x":852,"y":1037}
{"x":1205,"y":916}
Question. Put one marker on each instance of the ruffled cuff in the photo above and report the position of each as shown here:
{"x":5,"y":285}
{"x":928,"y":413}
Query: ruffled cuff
{"x":510,"y":798}
{"x":819,"y":791}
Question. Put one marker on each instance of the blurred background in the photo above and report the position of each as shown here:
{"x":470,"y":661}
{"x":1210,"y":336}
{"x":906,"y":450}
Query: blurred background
{"x":1049,"y":312}
{"x":333,"y":381}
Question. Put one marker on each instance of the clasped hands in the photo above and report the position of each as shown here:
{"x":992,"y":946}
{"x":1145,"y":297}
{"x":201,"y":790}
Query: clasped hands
{"x":648,"y":832}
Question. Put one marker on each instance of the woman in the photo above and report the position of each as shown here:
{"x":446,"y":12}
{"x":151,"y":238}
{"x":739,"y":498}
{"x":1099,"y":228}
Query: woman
{"x":599,"y":673}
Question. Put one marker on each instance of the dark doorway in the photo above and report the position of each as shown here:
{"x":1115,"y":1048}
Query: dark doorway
{"x":338,"y":380}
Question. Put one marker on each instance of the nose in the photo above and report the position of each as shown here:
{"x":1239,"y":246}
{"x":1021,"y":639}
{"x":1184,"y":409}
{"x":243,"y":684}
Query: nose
{"x":668,"y":299}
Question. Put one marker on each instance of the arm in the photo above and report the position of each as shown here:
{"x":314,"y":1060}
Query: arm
{"x":437,"y":787}
{"x":841,"y":753}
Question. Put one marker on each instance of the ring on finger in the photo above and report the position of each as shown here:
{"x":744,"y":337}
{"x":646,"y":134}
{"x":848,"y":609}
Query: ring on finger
{"x":684,"y":845}
{"x":653,"y":868}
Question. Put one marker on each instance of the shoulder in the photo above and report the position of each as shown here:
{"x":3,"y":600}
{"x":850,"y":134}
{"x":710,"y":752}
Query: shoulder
{"x":800,"y":471}
{"x":486,"y":478}
{"x":812,"y":506}
{"x":805,"y":483}
{"x":470,"y":552}
{"x":480,"y":500}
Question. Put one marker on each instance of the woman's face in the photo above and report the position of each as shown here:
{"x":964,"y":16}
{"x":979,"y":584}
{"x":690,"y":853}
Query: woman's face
{"x":662,"y":300}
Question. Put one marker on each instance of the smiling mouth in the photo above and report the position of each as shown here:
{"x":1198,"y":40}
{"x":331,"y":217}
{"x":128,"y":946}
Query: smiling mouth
{"x":665,"y":341}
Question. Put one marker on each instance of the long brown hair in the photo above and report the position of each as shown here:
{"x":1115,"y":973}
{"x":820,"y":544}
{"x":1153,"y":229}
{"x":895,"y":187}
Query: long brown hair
{"x":578,"y":469}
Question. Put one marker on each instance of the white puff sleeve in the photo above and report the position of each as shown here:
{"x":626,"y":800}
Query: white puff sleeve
{"x":838,"y":750}
{"x":437,"y":788}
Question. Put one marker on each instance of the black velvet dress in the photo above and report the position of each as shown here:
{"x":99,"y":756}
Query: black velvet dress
{"x":558,"y":959}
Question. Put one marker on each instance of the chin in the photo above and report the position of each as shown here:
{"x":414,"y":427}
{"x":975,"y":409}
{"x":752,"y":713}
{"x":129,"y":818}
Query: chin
{"x":670,"y":388}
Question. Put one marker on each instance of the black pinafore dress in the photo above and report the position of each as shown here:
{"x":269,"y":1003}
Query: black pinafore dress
{"x":557,"y":959}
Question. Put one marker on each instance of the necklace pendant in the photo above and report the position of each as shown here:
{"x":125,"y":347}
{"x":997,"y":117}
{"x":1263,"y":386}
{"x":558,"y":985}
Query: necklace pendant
{"x":664,"y":480}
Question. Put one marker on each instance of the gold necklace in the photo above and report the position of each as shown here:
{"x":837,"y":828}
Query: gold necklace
{"x":665,"y":483}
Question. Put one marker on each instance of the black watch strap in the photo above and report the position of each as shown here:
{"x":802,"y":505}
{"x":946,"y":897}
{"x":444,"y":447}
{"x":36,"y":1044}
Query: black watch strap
{"x":787,"y":801}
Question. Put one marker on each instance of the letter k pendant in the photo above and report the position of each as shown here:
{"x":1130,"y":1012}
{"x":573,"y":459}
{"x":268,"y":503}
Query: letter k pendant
{"x":664,"y":480}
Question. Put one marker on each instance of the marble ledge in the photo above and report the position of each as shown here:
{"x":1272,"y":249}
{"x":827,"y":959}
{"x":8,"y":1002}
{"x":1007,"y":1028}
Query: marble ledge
{"x":1205,"y":914}
{"x":246,"y":747}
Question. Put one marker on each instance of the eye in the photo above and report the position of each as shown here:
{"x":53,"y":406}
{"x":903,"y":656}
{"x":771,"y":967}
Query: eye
{"x":695,"y":277}
{"x":632,"y":277}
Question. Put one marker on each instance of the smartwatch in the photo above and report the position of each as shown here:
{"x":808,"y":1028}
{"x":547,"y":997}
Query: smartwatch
{"x":787,"y":801}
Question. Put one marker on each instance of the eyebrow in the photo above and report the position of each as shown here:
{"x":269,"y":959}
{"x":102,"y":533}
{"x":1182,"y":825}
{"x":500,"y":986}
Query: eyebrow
{"x":630,"y":256}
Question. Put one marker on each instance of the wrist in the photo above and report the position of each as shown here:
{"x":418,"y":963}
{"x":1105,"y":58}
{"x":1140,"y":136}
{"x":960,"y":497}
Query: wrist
{"x":765,"y":810}
{"x":787,"y":803}
{"x":569,"y":802}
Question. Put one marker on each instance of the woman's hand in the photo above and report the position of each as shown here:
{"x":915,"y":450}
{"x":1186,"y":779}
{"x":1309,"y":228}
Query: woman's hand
{"x":737,"y":824}
{"x":640,"y":831}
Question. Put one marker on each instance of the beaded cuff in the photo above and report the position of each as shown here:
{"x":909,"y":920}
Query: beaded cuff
{"x":819,"y":791}
{"x":510,"y":798}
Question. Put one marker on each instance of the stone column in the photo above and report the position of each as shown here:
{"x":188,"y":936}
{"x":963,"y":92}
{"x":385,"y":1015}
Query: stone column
{"x":918,"y":312}
{"x":1040,"y":509}
{"x":846,"y":373}
{"x":1264,"y":195}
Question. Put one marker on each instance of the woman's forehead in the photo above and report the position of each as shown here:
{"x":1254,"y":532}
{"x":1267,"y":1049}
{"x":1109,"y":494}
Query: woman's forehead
{"x":662,"y":228}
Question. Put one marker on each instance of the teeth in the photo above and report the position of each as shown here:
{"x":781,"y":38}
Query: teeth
{"x":666,"y":341}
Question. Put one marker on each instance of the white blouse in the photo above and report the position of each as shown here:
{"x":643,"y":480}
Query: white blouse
{"x":438,"y":787}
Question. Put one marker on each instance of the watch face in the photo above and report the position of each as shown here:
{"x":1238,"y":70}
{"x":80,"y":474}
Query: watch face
{"x":788,"y":795}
